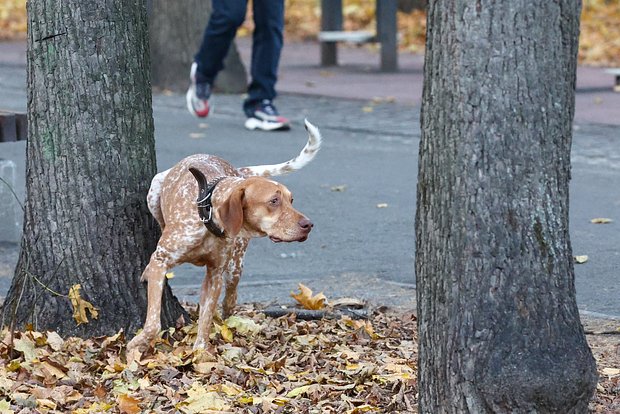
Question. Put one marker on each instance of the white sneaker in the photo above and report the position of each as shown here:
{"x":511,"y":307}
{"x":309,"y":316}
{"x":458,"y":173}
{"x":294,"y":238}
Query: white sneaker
{"x":198,"y":95}
{"x":264,"y":116}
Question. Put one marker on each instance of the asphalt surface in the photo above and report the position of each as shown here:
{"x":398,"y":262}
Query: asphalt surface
{"x":360,"y":191}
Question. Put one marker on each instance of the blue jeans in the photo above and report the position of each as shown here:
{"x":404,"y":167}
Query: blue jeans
{"x":226,"y":17}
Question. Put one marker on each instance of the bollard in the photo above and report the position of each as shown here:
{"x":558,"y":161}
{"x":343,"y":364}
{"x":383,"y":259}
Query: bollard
{"x":10,"y":210}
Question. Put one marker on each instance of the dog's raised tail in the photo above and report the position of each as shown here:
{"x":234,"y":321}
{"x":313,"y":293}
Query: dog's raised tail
{"x":306,"y":155}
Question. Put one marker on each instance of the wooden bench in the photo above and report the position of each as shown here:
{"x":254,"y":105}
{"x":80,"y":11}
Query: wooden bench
{"x":13,"y":126}
{"x":332,"y":33}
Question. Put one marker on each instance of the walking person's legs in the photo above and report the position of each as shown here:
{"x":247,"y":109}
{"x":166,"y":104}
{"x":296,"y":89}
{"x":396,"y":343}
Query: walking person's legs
{"x":226,"y":17}
{"x":267,"y":44}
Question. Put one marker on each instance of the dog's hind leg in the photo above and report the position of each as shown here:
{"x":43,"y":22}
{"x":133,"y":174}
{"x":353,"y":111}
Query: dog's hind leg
{"x":153,"y":198}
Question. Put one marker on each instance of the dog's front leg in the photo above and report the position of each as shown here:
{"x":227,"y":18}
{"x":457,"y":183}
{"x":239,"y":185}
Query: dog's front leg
{"x":155,"y":273}
{"x":211,"y":288}
{"x":234,"y":274}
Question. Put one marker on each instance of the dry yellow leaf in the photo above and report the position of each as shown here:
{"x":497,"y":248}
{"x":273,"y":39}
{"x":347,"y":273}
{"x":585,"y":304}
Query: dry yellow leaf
{"x":94,"y":408}
{"x":200,"y":400}
{"x":226,"y":333}
{"x":55,"y":341}
{"x":44,"y":404}
{"x":612,"y":372}
{"x":228,"y":388}
{"x":5,"y":407}
{"x":50,"y":370}
{"x":205,"y":367}
{"x":305,"y":298}
{"x":80,"y":306}
{"x":581,"y":259}
{"x":242,"y":325}
{"x":27,"y":347}
{"x":601,"y":220}
{"x":365,"y":408}
{"x":6,"y":384}
{"x":298,"y":391}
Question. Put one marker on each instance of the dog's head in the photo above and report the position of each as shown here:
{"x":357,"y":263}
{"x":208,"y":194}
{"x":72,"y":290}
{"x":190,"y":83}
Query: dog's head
{"x":262,"y":207}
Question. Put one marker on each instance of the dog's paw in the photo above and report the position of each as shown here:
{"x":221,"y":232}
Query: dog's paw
{"x":200,"y":344}
{"x":133,"y":355}
{"x":227,"y":311}
{"x":136,"y":347}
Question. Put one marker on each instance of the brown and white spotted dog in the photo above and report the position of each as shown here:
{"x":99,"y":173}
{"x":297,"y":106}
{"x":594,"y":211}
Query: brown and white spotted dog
{"x":243,"y":204}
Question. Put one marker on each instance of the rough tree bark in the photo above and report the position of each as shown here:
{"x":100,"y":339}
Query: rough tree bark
{"x":499,"y":328}
{"x":175,"y":30}
{"x":90,"y":158}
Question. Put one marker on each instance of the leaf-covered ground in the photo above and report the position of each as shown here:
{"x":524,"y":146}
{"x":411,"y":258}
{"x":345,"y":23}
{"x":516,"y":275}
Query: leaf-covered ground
{"x":599,"y":40}
{"x":257,"y":364}
{"x":604,"y":340}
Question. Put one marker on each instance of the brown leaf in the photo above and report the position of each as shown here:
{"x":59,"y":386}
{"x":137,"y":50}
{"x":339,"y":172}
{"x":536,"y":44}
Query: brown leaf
{"x":308,"y":301}
{"x":100,"y":392}
{"x":128,"y":405}
{"x":348,"y":303}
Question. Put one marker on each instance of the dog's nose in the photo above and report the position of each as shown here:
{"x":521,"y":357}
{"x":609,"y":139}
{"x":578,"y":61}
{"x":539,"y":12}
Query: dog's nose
{"x":305,"y":224}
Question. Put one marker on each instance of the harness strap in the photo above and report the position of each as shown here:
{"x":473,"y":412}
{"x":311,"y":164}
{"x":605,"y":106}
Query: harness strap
{"x":204,"y":203}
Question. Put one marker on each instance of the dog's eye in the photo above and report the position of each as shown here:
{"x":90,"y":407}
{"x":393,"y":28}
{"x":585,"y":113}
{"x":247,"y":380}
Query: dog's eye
{"x":274,"y":201}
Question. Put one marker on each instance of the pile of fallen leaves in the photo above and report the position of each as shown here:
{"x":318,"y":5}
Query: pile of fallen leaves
{"x":604,"y":340}
{"x":256,"y":365}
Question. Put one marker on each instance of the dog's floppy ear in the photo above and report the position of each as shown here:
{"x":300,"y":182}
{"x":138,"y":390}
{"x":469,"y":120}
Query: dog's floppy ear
{"x":231,"y":212}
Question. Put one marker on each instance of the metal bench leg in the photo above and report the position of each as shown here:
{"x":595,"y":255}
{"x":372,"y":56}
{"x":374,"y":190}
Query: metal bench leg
{"x":8,"y":127}
{"x":387,"y":34}
{"x":331,"y":20}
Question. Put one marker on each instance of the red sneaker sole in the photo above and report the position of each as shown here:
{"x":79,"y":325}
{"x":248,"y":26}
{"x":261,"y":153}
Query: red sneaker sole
{"x":203,"y":113}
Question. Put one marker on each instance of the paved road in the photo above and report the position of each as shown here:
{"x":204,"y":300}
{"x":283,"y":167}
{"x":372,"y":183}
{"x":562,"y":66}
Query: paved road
{"x":357,"y":249}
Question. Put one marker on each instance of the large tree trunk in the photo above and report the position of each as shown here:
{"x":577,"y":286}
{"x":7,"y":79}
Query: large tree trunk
{"x":90,"y":158}
{"x":499,"y":328}
{"x":176,"y":29}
